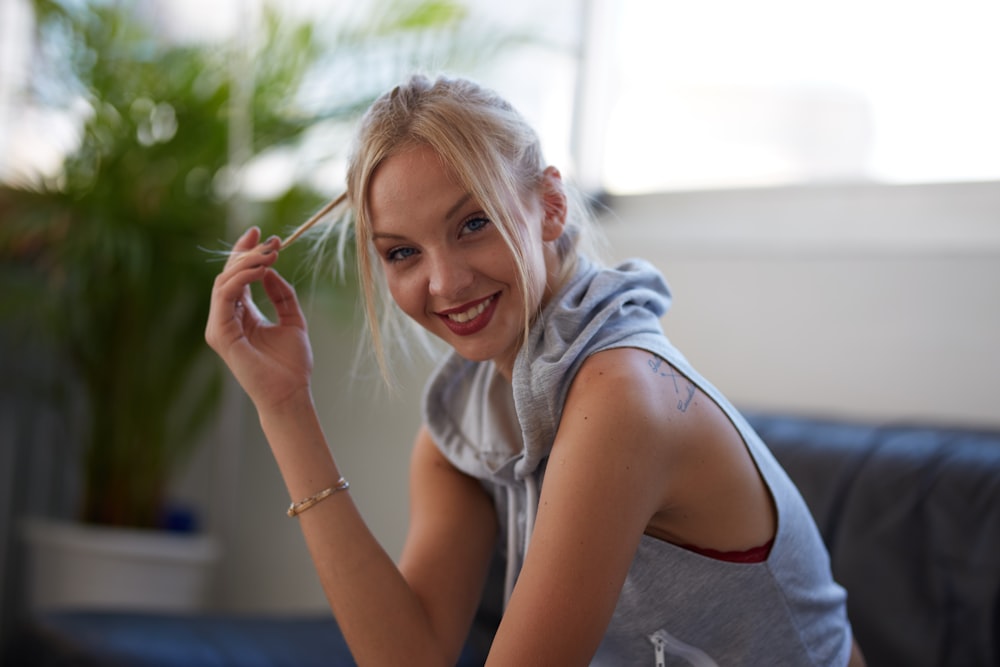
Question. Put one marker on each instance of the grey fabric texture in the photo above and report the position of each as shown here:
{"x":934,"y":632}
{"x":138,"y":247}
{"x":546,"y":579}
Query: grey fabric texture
{"x":682,"y":607}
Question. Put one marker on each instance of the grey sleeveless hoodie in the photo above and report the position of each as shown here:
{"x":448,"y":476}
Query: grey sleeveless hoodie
{"x":676,"y":607}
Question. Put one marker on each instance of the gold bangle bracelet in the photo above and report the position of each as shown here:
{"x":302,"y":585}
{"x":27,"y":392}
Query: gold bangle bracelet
{"x":298,"y":508}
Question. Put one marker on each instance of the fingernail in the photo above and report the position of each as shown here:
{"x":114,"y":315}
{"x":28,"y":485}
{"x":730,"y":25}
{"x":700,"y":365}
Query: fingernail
{"x":270,"y":245}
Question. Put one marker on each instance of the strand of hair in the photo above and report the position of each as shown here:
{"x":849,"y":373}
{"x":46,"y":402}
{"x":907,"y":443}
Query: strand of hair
{"x":319,"y":215}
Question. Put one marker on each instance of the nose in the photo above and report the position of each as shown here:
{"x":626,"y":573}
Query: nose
{"x":450,"y":275}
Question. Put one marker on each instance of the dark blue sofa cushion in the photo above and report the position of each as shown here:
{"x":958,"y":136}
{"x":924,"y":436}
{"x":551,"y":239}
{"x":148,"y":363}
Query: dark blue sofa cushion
{"x":911,"y":516}
{"x":106,"y":639}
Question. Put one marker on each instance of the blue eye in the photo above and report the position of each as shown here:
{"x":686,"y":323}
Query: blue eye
{"x":399,"y":254}
{"x":475,"y":224}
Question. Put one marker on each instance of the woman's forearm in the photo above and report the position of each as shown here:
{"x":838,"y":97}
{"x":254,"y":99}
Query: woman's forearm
{"x":381,"y":617}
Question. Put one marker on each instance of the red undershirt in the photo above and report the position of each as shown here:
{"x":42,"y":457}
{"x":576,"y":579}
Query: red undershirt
{"x":753,"y":555}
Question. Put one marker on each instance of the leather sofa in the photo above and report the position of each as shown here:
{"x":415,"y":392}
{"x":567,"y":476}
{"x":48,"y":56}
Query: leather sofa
{"x":911,"y":516}
{"x":910,"y":513}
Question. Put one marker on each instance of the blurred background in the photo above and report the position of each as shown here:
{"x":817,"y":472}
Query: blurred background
{"x":818,"y":181}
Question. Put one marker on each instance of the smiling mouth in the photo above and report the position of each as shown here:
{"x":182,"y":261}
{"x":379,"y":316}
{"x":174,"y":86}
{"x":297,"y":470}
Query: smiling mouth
{"x":472,"y":313}
{"x":468,"y":320}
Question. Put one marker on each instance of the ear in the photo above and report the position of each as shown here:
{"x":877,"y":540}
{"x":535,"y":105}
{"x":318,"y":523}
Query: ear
{"x":554,"y":204}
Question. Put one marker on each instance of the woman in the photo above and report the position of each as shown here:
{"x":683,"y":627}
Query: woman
{"x":661,"y":530}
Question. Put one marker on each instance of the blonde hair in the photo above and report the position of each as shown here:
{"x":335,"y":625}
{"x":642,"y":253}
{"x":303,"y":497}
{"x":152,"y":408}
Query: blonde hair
{"x":492,"y":153}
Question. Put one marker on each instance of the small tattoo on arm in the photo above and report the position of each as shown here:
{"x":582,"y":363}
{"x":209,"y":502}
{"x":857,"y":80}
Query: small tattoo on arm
{"x":656,"y":364}
{"x":683,"y":405}
{"x":663,"y":369}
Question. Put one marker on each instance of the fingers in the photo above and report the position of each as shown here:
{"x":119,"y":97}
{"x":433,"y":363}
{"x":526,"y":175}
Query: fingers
{"x":246,"y":264}
{"x":282,"y":295}
{"x":246,"y":245}
{"x":232,"y":310}
{"x":252,"y":262}
{"x":246,"y":242}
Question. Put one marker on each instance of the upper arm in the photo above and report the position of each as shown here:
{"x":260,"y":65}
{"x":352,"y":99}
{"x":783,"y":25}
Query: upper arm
{"x":603,"y":483}
{"x":450,"y":541}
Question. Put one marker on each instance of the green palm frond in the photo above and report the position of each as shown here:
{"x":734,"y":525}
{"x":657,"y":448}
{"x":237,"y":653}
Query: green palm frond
{"x":107,"y":261}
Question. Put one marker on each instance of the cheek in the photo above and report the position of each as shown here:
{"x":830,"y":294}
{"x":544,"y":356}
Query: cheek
{"x":407,"y":295}
{"x":500,"y":264}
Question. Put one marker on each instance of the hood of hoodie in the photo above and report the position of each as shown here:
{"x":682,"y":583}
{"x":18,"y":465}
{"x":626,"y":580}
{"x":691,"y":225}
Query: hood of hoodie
{"x":501,"y":432}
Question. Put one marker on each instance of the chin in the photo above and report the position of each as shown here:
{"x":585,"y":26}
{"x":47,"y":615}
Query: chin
{"x":480,"y":353}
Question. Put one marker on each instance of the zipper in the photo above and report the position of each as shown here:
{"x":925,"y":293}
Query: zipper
{"x":664,"y":643}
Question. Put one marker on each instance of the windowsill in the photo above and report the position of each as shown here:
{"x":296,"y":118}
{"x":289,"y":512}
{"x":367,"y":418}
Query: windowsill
{"x":934,"y":219}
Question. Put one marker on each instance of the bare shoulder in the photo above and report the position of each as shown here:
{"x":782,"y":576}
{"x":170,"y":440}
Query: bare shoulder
{"x":627,"y":406}
{"x":653,"y":411}
{"x":638,"y":384}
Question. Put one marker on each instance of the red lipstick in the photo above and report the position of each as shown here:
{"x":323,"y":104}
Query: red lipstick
{"x":470,"y":318}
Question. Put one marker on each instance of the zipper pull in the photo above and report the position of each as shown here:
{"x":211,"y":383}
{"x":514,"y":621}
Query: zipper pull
{"x":659,"y":646}
{"x":664,"y":642}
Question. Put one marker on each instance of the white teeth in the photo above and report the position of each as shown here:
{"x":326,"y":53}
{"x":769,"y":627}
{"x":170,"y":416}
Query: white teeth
{"x":471,"y":313}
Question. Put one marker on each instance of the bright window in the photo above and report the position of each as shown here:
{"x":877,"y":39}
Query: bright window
{"x":537,"y":72}
{"x":723,"y":93}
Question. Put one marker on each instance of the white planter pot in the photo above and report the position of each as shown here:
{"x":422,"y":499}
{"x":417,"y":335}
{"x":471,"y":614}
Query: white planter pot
{"x":78,"y":566}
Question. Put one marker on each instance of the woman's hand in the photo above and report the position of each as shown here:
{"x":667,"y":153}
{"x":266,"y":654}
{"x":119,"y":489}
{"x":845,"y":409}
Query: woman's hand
{"x":271,"y":361}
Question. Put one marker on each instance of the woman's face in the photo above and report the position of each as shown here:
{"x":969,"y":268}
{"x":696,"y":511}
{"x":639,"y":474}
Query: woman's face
{"x":446,"y":264}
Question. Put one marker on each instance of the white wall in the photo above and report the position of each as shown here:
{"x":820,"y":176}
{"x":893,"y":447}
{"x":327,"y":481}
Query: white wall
{"x":863,"y":302}
{"x":874,"y":302}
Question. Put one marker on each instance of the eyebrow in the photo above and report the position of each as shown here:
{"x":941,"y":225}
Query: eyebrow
{"x":455,"y":208}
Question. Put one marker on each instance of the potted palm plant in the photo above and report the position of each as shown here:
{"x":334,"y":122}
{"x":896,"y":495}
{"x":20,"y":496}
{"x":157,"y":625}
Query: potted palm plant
{"x":110,"y":254}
